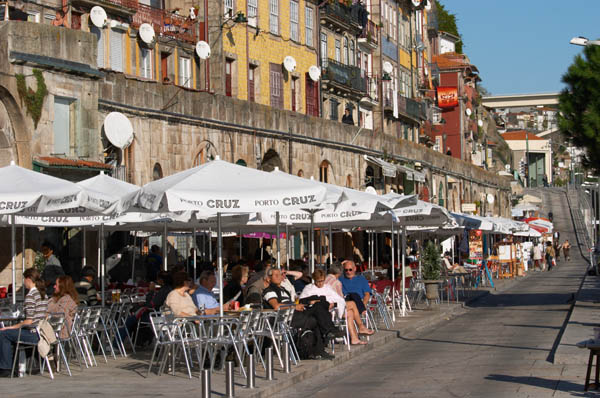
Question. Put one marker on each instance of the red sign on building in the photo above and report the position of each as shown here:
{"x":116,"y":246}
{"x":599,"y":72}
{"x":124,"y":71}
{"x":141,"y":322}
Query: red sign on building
{"x":447,"y":97}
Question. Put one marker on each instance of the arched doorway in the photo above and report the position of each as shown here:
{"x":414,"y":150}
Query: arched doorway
{"x":325,"y":172}
{"x":370,"y":177}
{"x":270,"y":161}
{"x":15,"y":139}
{"x":205,"y":152}
{"x":157,"y":172}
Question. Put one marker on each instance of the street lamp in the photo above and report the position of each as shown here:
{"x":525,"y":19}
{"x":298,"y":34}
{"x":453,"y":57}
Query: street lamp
{"x":584,"y":41}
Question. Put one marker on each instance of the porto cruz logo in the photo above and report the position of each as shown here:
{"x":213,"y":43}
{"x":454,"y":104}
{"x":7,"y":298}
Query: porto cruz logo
{"x":12,"y":205}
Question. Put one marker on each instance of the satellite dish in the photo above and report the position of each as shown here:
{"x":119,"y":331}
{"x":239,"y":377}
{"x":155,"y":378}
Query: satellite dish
{"x":490,"y":198}
{"x":146,"y":33}
{"x":314,"y":72}
{"x":371,"y":190}
{"x":416,"y":3}
{"x":428,"y":5}
{"x":203,"y":49}
{"x":118,"y":130}
{"x":289,"y":63}
{"x":468,"y":111}
{"x":387,"y":67}
{"x":480,"y":123}
{"x":98,"y":16}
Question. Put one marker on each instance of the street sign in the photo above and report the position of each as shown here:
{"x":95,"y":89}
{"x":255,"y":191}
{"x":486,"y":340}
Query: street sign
{"x":469,"y":207}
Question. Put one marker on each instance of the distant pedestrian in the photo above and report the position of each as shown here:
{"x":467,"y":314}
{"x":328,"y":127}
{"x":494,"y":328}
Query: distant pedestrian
{"x":537,"y":257}
{"x":347,"y":118}
{"x":557,"y":247}
{"x":566,"y":248}
{"x":549,"y":255}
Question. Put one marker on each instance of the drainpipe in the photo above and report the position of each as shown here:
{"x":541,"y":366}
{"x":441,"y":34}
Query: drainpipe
{"x":206,"y":62}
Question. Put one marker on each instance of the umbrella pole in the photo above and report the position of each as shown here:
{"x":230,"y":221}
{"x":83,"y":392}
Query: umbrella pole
{"x":165,"y":249}
{"x":195,"y":250}
{"x":277,"y":232}
{"x":312,"y":242}
{"x":392,"y":265}
{"x":403,"y":273}
{"x":210,"y":245}
{"x":330,"y":247}
{"x":102,"y":275}
{"x":99,"y":254}
{"x":220,"y":262}
{"x":13,"y":250}
{"x":84,"y":249}
{"x":287,"y":246}
{"x":241,"y":247}
{"x":133,"y":258}
{"x":23,"y":259}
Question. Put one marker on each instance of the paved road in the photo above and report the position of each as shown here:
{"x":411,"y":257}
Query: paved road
{"x":502,"y":347}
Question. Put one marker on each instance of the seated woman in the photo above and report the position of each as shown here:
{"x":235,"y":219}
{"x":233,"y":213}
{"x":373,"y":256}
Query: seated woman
{"x":234,"y":289}
{"x":64,"y":301}
{"x":35,"y":307}
{"x":179,"y":300}
{"x":351,"y":309}
{"x":319,"y":288}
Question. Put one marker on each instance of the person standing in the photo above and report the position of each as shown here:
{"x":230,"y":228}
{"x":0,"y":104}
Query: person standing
{"x":566,"y":248}
{"x":549,"y":255}
{"x":52,"y":269}
{"x":537,"y":257}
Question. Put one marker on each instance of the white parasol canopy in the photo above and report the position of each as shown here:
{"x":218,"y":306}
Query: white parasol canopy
{"x":473,"y":222}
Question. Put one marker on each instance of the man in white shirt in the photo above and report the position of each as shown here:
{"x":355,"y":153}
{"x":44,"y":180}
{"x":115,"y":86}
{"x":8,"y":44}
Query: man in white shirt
{"x":537,"y":256}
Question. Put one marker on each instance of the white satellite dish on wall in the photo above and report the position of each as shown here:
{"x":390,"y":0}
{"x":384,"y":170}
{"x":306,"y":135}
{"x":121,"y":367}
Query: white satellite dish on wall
{"x":388,"y":67}
{"x":480,"y":123}
{"x":289,"y":63}
{"x":203,"y":49}
{"x":147,"y":33}
{"x":490,"y":198}
{"x":98,"y":16}
{"x":314,"y":72}
{"x":416,"y":3}
{"x":118,"y":130}
{"x":468,"y":111}
{"x":428,"y":5}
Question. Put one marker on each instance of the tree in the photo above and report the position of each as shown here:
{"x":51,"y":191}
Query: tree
{"x":579,"y":105}
{"x":447,"y":23}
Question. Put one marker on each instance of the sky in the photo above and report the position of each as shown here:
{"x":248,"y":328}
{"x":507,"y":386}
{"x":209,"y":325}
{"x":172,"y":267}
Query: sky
{"x":522,"y":47}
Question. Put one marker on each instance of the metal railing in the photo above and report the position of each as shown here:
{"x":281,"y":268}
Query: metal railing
{"x":406,"y":106}
{"x":341,"y":13}
{"x":165,"y":23}
{"x":346,"y":75}
{"x":370,"y":32}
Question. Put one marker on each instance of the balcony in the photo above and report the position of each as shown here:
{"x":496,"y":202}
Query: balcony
{"x":340,"y":18}
{"x":125,"y":8}
{"x":165,"y":23}
{"x":344,"y":78}
{"x":372,"y":96}
{"x":432,"y":22}
{"x":407,"y":107}
{"x":369,"y":38}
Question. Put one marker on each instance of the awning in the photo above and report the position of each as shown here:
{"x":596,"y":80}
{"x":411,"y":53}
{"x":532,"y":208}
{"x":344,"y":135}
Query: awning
{"x":388,"y":169}
{"x":411,"y":174}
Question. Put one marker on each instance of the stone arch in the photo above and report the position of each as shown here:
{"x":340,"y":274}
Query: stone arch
{"x":300,"y":173}
{"x":205,"y":151}
{"x":326,"y":172}
{"x":17,"y":138}
{"x":270,"y":160}
{"x":157,"y":172}
{"x":370,"y":176}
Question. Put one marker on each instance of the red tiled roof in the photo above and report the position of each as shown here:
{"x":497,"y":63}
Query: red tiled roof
{"x":452,"y":60}
{"x":62,"y":162}
{"x":520,"y":135}
{"x":490,"y":143}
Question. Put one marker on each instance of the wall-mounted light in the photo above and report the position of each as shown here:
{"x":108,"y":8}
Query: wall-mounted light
{"x":238,"y":18}
{"x":386,"y":77}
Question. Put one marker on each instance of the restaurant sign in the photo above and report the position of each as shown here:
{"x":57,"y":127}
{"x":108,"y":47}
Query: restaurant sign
{"x":447,"y":97}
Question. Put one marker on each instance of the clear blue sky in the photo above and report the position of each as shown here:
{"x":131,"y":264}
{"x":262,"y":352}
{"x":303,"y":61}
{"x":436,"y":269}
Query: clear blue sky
{"x":523,"y":46}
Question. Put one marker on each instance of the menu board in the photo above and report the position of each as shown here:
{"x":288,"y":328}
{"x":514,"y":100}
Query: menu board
{"x":504,"y":253}
{"x":475,"y":244}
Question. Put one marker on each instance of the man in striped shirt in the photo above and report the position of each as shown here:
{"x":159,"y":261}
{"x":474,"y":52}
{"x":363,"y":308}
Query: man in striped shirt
{"x":35,"y":307}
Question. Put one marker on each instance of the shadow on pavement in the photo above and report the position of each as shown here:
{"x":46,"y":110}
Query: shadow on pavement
{"x":554,"y":385}
{"x":522,"y":299}
{"x":471,"y":343}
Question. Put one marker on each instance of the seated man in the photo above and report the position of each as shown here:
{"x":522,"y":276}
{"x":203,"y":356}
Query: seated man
{"x":355,"y":287}
{"x":313,"y":315}
{"x":204,"y":297}
{"x":254,"y":290}
{"x":453,"y":268}
{"x":85,"y":287}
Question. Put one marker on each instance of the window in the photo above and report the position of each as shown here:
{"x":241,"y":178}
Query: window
{"x":252,"y":13}
{"x":48,"y":18}
{"x":276,"y":85}
{"x":395,"y":25}
{"x":324,"y":171}
{"x":62,"y":126}
{"x":164,"y":67}
{"x":33,"y":16}
{"x":308,"y":14}
{"x":274,"y":16}
{"x":338,"y":50}
{"x":185,"y":72}
{"x":100,"y":40}
{"x":294,"y":93}
{"x":294,"y":35}
{"x":157,"y":172}
{"x":324,"y":50}
{"x":334,"y":109}
{"x":228,"y":8}
{"x":346,"y":51}
{"x":228,"y":73}
{"x":146,"y":63}
{"x":352,"y":51}
{"x":251,"y":73}
{"x":312,"y":97}
{"x":116,"y":50}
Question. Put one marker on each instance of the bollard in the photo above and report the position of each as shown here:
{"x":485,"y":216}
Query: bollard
{"x":286,"y":358}
{"x":250,"y":374}
{"x":229,"y":380}
{"x":269,"y":362}
{"x":206,"y":383}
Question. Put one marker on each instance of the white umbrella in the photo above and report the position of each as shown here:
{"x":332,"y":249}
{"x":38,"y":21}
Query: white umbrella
{"x":221,"y":187}
{"x":473,"y":222}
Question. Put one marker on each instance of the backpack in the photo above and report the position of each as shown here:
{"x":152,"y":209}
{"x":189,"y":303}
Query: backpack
{"x":306,"y":343}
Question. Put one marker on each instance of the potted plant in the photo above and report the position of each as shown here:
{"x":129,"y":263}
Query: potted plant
{"x":431,"y":266}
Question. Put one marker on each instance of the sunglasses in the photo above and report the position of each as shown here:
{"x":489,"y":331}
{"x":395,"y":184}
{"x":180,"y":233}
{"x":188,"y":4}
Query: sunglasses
{"x":347,"y":269}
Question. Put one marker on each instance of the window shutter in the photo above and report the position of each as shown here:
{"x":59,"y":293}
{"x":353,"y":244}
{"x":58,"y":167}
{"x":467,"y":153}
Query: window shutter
{"x":116,"y":51}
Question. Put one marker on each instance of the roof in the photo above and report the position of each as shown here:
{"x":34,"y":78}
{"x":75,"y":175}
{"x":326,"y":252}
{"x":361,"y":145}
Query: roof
{"x":520,"y":135}
{"x":452,"y":61}
{"x":51,"y":161}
